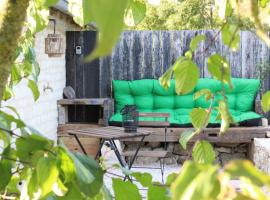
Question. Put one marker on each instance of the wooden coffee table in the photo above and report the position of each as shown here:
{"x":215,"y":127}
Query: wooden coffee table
{"x":110,"y":134}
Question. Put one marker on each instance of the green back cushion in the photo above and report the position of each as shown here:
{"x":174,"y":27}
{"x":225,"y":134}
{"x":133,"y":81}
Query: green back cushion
{"x":240,"y":97}
{"x":148,"y":95}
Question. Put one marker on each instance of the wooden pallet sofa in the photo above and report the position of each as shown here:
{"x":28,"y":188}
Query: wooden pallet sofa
{"x":150,"y":97}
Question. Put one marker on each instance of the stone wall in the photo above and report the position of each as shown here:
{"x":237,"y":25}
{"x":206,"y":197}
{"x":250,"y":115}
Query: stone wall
{"x":224,"y":152}
{"x":42,"y":114}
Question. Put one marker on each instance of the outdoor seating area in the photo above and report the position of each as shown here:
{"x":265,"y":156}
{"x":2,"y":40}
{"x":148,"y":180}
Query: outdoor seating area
{"x":134,"y":100}
{"x":162,"y":113}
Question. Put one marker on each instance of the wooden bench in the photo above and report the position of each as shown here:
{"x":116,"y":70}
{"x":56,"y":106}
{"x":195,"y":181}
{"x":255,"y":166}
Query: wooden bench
{"x":235,"y":135}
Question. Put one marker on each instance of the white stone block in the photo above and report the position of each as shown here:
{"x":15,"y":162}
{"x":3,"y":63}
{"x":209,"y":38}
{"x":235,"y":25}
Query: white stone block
{"x":261,"y":154}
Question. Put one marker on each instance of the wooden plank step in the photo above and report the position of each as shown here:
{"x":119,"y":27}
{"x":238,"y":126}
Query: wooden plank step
{"x":153,"y":154}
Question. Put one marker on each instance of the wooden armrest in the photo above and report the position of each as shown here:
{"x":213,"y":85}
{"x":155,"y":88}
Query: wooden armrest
{"x":258,"y":107}
{"x":165,"y":115}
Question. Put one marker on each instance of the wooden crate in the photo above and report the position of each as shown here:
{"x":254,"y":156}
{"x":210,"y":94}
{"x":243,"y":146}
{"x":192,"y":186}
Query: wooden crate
{"x":90,"y":144}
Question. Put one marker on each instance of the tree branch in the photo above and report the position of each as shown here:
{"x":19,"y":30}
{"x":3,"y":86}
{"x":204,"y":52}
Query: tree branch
{"x":10,"y":32}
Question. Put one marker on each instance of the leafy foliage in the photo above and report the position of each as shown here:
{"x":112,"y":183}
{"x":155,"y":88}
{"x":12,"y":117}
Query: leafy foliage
{"x":53,"y":172}
{"x":175,"y":15}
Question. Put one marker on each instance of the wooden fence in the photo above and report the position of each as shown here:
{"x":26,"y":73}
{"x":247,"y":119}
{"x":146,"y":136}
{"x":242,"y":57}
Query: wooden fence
{"x":147,"y":54}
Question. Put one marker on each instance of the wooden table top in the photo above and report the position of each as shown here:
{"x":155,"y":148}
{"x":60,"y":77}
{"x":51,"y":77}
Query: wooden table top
{"x":109,"y":132}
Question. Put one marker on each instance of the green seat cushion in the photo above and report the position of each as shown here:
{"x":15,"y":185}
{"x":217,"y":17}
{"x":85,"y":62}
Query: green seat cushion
{"x":149,"y":96}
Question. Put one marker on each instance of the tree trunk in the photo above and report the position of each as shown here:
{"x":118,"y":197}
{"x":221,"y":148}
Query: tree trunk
{"x":12,"y":20}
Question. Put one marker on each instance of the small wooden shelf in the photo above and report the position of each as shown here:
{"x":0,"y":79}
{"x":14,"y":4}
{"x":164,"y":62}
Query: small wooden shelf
{"x":106,"y":104}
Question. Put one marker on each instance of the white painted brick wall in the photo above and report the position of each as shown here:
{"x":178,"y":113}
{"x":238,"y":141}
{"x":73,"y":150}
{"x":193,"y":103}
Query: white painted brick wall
{"x":42,"y":115}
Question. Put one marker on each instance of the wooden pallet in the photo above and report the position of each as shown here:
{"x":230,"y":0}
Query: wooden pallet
{"x":90,"y":144}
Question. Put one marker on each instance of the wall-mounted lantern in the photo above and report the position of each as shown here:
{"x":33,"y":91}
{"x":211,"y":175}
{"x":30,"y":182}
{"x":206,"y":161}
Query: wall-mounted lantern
{"x":54,"y":43}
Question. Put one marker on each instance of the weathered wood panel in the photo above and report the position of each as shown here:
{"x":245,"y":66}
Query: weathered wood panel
{"x":148,"y":54}
{"x":82,"y":77}
{"x":234,"y":135}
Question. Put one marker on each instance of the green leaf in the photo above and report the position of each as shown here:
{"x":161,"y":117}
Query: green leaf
{"x":135,"y":13}
{"x":195,"y":41}
{"x":8,"y":93}
{"x":47,"y":174}
{"x":125,"y":190}
{"x":186,"y":75}
{"x":231,"y":36}
{"x":89,"y":175}
{"x":15,"y":74}
{"x":5,"y":169}
{"x":59,"y":188}
{"x":109,"y":18}
{"x":80,"y":11}
{"x":5,"y":137}
{"x":199,"y":118}
{"x":226,"y":118}
{"x":26,"y":68}
{"x":73,"y":193}
{"x":144,"y":178}
{"x":188,"y":54}
{"x":50,"y":3}
{"x":219,"y":68}
{"x":263,"y":3}
{"x":266,"y":101}
{"x":104,"y":194}
{"x":38,"y":17}
{"x":185,"y":137}
{"x":33,"y":187}
{"x":165,"y":79}
{"x":34,"y":88}
{"x":245,"y":169}
{"x":66,"y":164}
{"x":171,"y":178}
{"x":228,"y":10}
{"x":157,"y":193}
{"x":203,"y":152}
{"x":12,"y":186}
{"x":8,"y":119}
{"x":203,"y":92}
{"x":29,"y":144}
{"x":196,"y":181}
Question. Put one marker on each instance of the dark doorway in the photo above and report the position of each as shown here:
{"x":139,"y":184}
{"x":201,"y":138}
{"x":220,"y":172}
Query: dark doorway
{"x":83,"y":77}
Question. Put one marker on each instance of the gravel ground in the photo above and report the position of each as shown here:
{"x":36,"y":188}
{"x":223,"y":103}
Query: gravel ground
{"x":110,"y":160}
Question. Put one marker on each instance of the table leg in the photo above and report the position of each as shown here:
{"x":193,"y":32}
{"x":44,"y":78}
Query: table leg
{"x":136,"y":152}
{"x":117,"y":153}
{"x":99,"y":149}
{"x":80,"y":144}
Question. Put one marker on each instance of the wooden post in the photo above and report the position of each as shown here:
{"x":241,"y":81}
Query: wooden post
{"x":62,"y":114}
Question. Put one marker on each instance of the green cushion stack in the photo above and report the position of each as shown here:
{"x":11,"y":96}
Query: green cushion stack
{"x":149,"y":96}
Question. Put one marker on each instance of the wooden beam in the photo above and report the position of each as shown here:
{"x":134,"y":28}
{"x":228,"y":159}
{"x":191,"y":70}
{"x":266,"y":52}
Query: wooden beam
{"x":234,"y":135}
{"x":91,"y":101}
